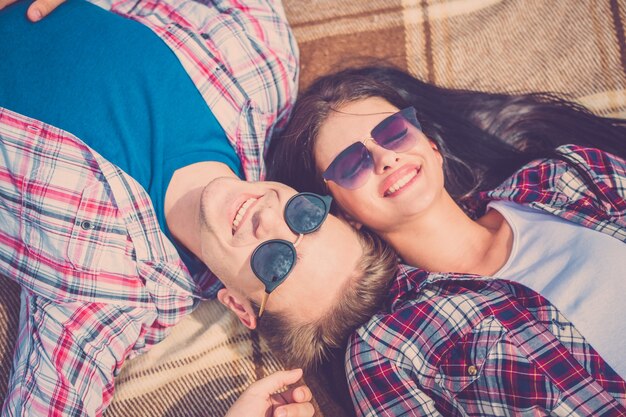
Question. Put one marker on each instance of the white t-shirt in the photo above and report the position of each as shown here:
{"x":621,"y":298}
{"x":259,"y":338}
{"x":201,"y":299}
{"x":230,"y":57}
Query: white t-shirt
{"x":579,"y":270}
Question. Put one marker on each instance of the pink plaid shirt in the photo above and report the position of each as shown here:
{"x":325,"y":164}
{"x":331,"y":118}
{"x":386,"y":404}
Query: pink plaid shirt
{"x":242,"y":57}
{"x":464,"y":345}
{"x":100,"y":282}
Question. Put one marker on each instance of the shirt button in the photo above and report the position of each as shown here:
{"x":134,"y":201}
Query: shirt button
{"x":471,"y":370}
{"x":86,"y":225}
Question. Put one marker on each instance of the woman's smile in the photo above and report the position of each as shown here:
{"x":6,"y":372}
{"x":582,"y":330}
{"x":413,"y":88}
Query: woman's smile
{"x":399,"y":181}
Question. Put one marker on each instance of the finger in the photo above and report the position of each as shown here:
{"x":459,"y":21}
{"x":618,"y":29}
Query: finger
{"x":295,"y":410}
{"x":299,"y":394}
{"x":276,"y":381}
{"x":5,"y":3}
{"x":42,"y":8}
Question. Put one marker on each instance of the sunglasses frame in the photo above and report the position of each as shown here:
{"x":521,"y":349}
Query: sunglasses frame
{"x":409,"y":114}
{"x":271,"y":285}
{"x":326,"y":199}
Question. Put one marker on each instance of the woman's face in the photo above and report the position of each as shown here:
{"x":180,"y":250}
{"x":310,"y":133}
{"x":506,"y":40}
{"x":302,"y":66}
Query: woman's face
{"x":400,"y":185}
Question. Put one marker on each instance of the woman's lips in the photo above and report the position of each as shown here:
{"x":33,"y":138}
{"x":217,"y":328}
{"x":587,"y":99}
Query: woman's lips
{"x":397,"y":181}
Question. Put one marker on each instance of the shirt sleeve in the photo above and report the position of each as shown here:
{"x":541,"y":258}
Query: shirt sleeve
{"x":612,"y":169}
{"x":68,"y":356}
{"x":608,"y":170}
{"x":242,"y":57}
{"x":379,"y":388}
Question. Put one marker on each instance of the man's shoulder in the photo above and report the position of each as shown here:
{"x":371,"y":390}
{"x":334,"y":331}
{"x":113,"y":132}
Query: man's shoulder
{"x":241,"y":56}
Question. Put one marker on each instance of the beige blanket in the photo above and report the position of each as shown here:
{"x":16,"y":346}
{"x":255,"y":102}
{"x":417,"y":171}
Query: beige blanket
{"x":573,"y":47}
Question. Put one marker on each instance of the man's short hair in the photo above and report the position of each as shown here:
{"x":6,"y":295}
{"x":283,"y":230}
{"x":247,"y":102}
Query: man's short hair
{"x":307,"y":344}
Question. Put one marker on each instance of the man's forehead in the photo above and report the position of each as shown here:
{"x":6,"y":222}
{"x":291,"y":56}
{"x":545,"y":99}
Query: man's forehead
{"x":334,"y":243}
{"x":322,"y":272}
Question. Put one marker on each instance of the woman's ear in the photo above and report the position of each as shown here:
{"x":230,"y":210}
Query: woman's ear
{"x":239,"y":305}
{"x":435,"y":148}
{"x":433,"y":145}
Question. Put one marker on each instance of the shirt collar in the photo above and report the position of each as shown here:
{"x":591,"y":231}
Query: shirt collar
{"x":406,"y":282}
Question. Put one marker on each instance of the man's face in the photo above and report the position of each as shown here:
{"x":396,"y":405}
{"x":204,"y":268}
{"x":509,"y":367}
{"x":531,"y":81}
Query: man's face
{"x":237,"y":216}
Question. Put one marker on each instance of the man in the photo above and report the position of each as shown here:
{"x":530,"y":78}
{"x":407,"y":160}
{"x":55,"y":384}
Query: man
{"x":100,"y":282}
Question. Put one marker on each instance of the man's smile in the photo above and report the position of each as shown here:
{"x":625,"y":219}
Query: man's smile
{"x":241,"y":212}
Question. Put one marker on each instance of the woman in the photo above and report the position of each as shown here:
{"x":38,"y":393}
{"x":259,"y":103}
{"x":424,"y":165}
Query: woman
{"x":117,"y":95}
{"x":475,"y":186}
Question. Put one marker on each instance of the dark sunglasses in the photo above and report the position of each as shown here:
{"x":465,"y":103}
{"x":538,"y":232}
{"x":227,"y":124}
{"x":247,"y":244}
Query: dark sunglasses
{"x":352,"y":167}
{"x":273,"y":260}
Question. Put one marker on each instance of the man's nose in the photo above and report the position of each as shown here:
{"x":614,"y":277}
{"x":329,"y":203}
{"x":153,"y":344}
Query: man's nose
{"x":267,"y":222}
{"x":383,"y":158}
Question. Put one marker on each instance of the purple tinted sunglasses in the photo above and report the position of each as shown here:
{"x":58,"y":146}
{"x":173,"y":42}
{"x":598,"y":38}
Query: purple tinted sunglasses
{"x":352,"y":167}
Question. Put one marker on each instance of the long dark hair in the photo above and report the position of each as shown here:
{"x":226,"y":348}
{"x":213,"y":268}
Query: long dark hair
{"x":483,"y":137}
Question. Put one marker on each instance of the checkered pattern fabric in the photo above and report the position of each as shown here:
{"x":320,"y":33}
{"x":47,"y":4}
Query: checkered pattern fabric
{"x":99,"y":281}
{"x":464,"y":345}
{"x":241,"y":56}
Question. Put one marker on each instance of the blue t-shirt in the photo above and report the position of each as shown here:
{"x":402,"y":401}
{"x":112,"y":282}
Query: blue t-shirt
{"x":114,"y":84}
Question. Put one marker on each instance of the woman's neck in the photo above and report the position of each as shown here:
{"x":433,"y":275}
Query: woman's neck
{"x":445,"y":239}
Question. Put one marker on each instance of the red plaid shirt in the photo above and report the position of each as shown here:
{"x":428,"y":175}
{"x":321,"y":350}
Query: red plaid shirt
{"x":464,"y":345}
{"x":100,"y":282}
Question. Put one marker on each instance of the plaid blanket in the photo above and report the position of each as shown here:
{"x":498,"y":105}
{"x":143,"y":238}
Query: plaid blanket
{"x":575,"y":48}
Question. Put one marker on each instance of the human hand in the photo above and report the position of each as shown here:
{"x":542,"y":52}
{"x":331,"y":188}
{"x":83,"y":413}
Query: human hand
{"x":259,"y":399}
{"x":38,"y":10}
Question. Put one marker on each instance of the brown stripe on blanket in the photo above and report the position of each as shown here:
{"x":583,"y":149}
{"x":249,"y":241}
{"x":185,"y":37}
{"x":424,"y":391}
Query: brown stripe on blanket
{"x":9,"y":316}
{"x":619,"y":30}
{"x":257,"y":355}
{"x":341,"y":51}
{"x":335,"y":34}
{"x":428,"y":43}
{"x":360,"y":14}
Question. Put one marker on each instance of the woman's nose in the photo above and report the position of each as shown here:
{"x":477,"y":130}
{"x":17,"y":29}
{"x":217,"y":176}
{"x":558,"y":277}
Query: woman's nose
{"x":383,"y":158}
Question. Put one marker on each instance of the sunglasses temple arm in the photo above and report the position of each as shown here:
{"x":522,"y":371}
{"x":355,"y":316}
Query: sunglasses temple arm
{"x":263,"y":302}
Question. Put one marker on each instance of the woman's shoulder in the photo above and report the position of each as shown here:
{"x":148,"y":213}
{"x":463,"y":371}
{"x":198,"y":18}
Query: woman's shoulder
{"x":590,"y":156}
{"x":565,"y":159}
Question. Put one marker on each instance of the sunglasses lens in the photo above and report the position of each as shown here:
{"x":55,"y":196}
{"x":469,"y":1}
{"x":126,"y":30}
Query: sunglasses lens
{"x":398,"y":131}
{"x":305,"y":213}
{"x":272,"y":261}
{"x":351,"y":167}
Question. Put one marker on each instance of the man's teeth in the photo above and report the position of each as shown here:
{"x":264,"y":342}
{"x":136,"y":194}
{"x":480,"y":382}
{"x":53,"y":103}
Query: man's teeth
{"x":401,"y":182}
{"x":242,"y":211}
